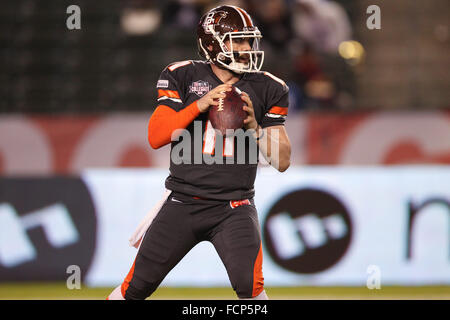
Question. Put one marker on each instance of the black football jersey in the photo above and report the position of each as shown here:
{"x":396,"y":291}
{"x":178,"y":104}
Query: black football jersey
{"x":227,"y":177}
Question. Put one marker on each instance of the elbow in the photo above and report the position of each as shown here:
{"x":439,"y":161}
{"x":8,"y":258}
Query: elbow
{"x":158,"y":131}
{"x":285,"y":160}
{"x":284,"y":165}
{"x":152,"y":137}
{"x":153,"y":141}
{"x":154,"y":144}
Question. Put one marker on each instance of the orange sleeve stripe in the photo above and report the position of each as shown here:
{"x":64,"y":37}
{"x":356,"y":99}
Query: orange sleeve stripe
{"x":165,"y":120}
{"x":279,"y":110}
{"x":258,"y":279}
{"x":168,"y":93}
{"x":126,"y":282}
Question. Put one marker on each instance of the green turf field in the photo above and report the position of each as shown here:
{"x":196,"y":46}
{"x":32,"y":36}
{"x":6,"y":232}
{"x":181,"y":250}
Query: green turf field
{"x":59,"y":291}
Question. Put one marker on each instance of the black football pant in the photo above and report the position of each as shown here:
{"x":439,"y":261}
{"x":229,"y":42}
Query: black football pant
{"x":183,"y":222}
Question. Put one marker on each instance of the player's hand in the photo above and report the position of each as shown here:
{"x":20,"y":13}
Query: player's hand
{"x":212,"y":97}
{"x":250,"y":122}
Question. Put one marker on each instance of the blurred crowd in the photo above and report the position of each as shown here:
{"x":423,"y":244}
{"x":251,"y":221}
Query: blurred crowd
{"x":321,"y":48}
{"x":301,"y":40}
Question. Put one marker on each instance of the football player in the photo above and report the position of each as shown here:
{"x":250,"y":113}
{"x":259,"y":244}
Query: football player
{"x":211,"y":202}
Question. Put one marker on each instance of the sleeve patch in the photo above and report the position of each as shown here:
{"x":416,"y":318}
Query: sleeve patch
{"x":162,"y":84}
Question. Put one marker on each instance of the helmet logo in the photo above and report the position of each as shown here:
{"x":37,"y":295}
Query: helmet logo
{"x":212,"y":19}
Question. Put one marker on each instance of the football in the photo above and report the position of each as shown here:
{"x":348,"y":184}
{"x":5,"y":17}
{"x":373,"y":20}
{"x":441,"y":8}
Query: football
{"x":229,"y":114}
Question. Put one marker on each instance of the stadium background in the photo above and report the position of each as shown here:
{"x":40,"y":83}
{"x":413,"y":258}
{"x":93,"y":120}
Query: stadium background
{"x":369,"y":123}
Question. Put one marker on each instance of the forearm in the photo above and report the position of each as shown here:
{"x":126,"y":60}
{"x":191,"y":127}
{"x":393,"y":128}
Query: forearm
{"x":164,"y":121}
{"x":275,"y":147}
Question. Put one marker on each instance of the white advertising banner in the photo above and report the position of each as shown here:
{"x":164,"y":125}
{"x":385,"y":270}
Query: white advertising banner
{"x":320,"y":226}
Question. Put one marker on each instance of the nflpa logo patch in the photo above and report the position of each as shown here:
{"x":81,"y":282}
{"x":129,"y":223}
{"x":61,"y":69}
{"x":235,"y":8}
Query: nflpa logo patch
{"x":237,"y":203}
{"x":200,"y":87}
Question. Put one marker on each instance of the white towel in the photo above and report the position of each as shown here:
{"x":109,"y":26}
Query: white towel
{"x":136,"y":238}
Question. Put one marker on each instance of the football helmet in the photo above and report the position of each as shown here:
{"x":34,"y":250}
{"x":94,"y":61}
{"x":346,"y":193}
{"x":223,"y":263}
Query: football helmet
{"x":229,"y":23}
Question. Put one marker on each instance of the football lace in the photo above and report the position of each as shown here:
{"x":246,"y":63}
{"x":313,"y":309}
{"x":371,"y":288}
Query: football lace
{"x":220,"y":106}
